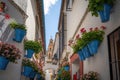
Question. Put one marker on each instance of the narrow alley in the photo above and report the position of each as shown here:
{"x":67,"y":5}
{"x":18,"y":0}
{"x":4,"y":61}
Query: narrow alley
{"x":59,"y":40}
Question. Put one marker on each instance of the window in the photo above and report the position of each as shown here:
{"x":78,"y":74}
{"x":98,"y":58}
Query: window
{"x":114,"y":54}
{"x":69,"y":4}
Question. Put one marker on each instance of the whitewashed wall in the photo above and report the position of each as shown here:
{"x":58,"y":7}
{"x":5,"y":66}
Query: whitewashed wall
{"x":99,"y":62}
{"x":56,"y":45}
{"x":30,"y":22}
{"x":22,"y":4}
{"x":13,"y":71}
{"x":74,"y":17}
{"x":75,"y":67}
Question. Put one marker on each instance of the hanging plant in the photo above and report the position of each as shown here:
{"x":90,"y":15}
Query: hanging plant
{"x":16,"y":25}
{"x":29,"y":68}
{"x":101,"y":7}
{"x":8,"y":53}
{"x":87,"y":45}
{"x":19,"y":30}
{"x":34,"y":45}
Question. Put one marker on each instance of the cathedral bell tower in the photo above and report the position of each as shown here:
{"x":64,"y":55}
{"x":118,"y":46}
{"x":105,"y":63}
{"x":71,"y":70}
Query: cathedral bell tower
{"x":50,"y":50}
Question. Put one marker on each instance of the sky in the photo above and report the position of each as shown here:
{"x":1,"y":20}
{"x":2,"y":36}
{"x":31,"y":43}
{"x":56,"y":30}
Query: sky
{"x":52,"y":12}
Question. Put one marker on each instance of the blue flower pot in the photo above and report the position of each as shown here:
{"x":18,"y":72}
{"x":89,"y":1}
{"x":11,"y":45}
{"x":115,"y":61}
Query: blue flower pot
{"x":27,"y":71}
{"x":93,"y":46}
{"x":81,"y":56}
{"x":19,"y":35}
{"x":30,"y":53}
{"x":38,"y":76}
{"x":86,"y":52}
{"x":105,"y":13}
{"x":107,"y":9}
{"x":67,"y":68}
{"x":102,"y":17}
{"x":3,"y":63}
{"x":32,"y":74}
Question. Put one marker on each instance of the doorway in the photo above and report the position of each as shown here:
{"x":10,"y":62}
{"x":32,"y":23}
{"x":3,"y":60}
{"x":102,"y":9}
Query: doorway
{"x":114,"y":54}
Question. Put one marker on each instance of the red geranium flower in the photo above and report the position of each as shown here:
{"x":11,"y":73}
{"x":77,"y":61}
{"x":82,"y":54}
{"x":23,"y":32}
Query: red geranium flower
{"x":96,"y":28}
{"x":77,"y":37}
{"x":82,"y":30}
{"x":7,"y":16}
{"x":103,"y":27}
{"x":91,"y":29}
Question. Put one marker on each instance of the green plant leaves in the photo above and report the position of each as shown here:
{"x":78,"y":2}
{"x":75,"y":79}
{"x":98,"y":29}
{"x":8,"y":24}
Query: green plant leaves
{"x":93,"y":35}
{"x":34,"y":45}
{"x":65,"y":75}
{"x":15,"y":25}
{"x":86,"y":38}
{"x":27,"y":62}
{"x":95,"y":6}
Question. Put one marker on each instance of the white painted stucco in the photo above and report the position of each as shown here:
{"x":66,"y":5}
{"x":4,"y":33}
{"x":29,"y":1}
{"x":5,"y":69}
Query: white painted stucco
{"x":30,"y":21}
{"x":75,"y":67}
{"x":13,"y":71}
{"x":22,"y":4}
{"x":56,"y":45}
{"x":100,"y":61}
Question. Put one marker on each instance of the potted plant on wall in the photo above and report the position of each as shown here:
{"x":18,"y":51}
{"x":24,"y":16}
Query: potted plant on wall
{"x":87,"y":45}
{"x":34,"y":72}
{"x":19,"y":30}
{"x":93,"y":38}
{"x":32,"y":47}
{"x":66,"y":66}
{"x":101,"y":7}
{"x":79,"y":46}
{"x":40,"y":74}
{"x":8,"y":53}
{"x":28,"y":68}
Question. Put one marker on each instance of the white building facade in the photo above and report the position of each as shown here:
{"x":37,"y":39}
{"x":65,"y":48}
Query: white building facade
{"x":13,"y":71}
{"x":78,"y":17}
{"x":26,"y":12}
